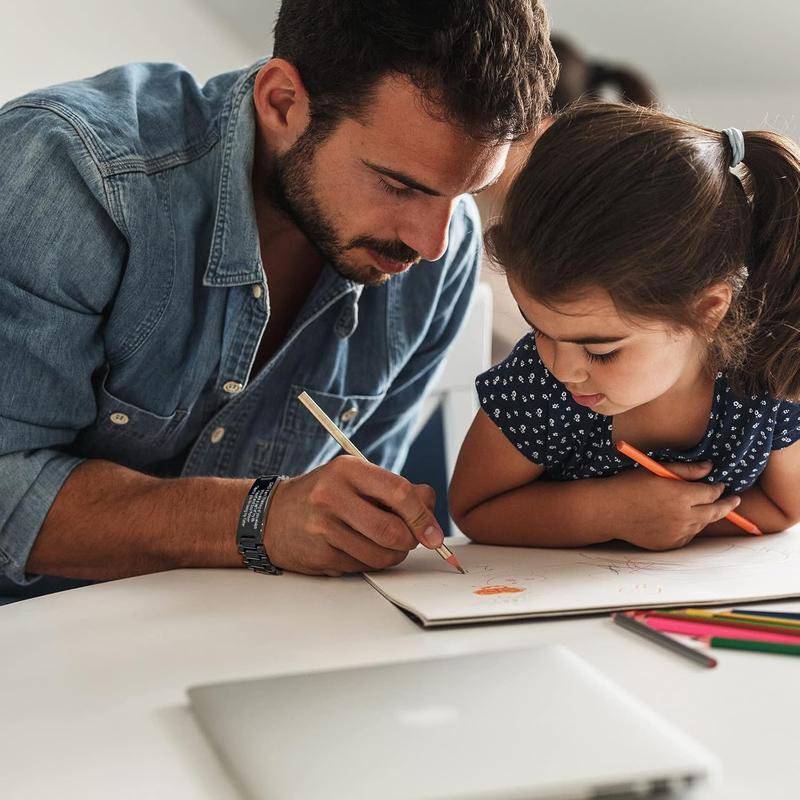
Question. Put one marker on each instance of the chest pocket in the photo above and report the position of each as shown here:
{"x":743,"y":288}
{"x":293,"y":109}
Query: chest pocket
{"x":302,"y":443}
{"x":128,"y":434}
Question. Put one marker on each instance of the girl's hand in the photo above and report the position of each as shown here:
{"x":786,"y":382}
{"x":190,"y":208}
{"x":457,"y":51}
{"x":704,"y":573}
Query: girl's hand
{"x":662,"y":514}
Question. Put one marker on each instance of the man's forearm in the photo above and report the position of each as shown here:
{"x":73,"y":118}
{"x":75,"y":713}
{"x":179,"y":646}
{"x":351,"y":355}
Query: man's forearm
{"x":545,"y":514}
{"x":112,"y":522}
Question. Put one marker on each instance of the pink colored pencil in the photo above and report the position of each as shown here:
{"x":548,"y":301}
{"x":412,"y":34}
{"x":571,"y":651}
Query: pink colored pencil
{"x":709,"y":630}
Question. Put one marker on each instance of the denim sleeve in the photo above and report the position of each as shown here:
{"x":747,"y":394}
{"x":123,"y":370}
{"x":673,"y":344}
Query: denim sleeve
{"x":60,"y":260}
{"x":385,"y":438}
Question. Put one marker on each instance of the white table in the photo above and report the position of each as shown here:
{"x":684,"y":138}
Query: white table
{"x":93,"y":681}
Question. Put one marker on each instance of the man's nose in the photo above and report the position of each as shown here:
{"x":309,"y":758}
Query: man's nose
{"x":428,"y":230}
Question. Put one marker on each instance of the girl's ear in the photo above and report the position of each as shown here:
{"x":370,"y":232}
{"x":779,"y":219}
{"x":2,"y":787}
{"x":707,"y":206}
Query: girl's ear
{"x":713,"y":305}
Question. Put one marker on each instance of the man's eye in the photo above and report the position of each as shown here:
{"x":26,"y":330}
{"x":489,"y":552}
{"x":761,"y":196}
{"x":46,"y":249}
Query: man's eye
{"x":395,"y":191}
{"x":601,"y":357}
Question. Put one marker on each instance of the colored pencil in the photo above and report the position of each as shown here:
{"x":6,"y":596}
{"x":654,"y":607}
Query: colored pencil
{"x":759,"y":619}
{"x":703,"y":629}
{"x":632,"y":624}
{"x":349,"y":447}
{"x":763,"y":647}
{"x":727,"y":622}
{"x":775,"y":614}
{"x":659,"y":469}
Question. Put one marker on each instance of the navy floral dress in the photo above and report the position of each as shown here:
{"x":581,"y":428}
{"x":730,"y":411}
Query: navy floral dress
{"x":538,"y":416}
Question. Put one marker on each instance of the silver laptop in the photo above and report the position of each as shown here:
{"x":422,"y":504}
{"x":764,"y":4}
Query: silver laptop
{"x":535,"y":723}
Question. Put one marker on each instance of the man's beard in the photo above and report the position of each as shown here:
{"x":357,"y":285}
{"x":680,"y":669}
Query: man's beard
{"x":289,"y":188}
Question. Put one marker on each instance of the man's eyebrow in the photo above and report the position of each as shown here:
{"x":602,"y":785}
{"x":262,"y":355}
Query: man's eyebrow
{"x":581,"y":340}
{"x":411,"y":183}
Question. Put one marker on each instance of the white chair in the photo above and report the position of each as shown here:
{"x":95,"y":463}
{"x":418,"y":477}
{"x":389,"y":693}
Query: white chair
{"x":454,"y":390}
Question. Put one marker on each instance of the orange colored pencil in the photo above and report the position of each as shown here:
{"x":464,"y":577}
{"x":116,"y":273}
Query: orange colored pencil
{"x":659,"y":469}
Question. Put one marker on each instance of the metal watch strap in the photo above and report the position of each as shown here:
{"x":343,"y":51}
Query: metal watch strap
{"x":250,"y":533}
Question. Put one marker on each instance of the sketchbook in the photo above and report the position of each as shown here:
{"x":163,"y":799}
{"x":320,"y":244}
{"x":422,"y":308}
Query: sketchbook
{"x":506,"y":583}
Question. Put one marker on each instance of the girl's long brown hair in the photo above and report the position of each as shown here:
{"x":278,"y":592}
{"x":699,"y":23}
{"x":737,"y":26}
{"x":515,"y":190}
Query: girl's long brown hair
{"x":645,"y":206}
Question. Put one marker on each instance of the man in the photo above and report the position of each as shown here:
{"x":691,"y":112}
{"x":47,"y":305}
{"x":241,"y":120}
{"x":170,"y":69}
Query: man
{"x":178,"y":263}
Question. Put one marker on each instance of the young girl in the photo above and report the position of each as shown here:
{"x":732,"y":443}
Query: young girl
{"x":657,"y":263}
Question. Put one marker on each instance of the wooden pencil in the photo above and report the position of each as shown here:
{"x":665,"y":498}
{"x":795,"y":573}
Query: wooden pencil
{"x":346,"y":445}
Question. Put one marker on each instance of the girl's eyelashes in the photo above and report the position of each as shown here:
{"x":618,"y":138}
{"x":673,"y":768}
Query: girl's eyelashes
{"x":395,"y":191}
{"x":596,"y":358}
{"x":601,"y":358}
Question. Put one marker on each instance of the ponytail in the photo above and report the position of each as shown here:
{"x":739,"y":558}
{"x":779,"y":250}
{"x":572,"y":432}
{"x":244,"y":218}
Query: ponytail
{"x":772,"y":290}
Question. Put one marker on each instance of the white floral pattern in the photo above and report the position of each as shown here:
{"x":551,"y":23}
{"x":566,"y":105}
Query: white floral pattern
{"x":537,"y":415}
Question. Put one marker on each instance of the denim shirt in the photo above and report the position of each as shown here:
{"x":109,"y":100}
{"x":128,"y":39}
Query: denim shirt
{"x":133,"y":300}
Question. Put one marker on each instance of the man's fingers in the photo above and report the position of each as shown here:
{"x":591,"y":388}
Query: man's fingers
{"x":407,"y":503}
{"x":383,"y":527}
{"x":407,"y":500}
{"x":361,"y":550}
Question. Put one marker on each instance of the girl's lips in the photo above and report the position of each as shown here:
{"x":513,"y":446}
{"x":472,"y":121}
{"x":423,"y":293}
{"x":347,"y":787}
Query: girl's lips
{"x":587,"y":399}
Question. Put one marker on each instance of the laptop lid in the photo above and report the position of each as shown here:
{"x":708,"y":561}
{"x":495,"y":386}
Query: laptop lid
{"x":533,"y":723}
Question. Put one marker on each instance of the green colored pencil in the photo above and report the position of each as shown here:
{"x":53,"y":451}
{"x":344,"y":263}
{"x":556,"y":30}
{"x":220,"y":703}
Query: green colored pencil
{"x":746,"y":644}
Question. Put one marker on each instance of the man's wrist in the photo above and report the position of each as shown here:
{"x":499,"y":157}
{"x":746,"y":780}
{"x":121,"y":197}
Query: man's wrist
{"x":250,"y":530}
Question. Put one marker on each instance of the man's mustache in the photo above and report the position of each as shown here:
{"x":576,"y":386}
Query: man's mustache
{"x":394,"y":251}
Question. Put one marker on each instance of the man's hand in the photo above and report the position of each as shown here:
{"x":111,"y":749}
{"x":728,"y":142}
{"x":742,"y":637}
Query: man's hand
{"x":662,"y":514}
{"x":348,"y":516}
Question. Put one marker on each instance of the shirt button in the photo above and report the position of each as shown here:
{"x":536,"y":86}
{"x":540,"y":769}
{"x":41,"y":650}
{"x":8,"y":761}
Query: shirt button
{"x":217,"y":434}
{"x":118,"y":418}
{"x":233,"y":387}
{"x":348,"y":414}
{"x":257,"y":291}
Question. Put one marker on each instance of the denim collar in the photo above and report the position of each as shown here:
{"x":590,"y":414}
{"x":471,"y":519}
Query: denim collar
{"x":235,"y":256}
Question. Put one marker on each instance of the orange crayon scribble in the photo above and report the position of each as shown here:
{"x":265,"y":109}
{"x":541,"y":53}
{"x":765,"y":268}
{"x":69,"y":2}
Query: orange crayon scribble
{"x":499,"y":590}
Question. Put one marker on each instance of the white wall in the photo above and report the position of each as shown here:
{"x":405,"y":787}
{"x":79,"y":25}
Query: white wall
{"x":718,"y":62}
{"x":48,"y":41}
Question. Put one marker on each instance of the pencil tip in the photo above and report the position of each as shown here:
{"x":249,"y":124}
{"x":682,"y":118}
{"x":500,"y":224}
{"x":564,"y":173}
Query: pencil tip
{"x":462,"y":570}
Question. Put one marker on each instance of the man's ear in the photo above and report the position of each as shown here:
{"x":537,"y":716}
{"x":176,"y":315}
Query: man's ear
{"x":713,"y":305}
{"x":281,"y":103}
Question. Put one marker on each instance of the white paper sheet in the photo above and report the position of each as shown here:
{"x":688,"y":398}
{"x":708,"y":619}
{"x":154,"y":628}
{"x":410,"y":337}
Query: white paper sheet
{"x":514,"y":582}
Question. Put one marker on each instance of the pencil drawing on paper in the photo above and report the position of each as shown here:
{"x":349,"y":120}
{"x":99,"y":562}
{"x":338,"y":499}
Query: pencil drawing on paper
{"x":730,"y":558}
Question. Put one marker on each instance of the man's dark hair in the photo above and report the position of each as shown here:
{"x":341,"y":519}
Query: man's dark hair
{"x":484,"y":65}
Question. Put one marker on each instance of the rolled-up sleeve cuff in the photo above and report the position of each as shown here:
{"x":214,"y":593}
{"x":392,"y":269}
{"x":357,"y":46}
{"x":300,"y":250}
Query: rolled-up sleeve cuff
{"x":29,"y":483}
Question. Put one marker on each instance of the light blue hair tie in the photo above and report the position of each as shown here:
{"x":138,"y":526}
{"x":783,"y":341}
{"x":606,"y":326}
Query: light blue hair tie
{"x":736,"y":139}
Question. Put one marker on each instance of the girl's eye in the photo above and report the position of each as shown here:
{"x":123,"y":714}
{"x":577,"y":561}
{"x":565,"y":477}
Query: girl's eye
{"x":395,"y":191}
{"x":601,"y":358}
{"x":597,"y":358}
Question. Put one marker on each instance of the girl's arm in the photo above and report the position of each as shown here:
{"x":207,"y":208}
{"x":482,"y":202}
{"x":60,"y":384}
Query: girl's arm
{"x":495,"y":498}
{"x":773,"y":503}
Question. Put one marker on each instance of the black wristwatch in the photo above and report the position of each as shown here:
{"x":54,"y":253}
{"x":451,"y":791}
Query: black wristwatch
{"x":250,"y":533}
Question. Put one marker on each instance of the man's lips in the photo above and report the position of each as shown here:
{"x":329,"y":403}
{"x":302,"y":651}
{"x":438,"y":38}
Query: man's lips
{"x":389,"y":265}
